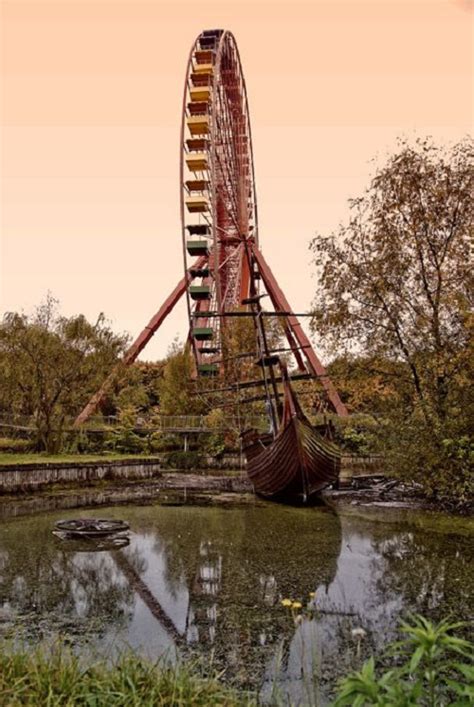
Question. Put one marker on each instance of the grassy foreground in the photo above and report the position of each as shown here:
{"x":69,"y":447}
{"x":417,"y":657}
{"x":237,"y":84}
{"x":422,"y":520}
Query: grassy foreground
{"x":430,"y":666}
{"x":59,"y":679}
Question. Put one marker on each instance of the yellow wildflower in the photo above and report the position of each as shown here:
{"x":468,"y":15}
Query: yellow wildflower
{"x":286,"y":602}
{"x":296,"y":605}
{"x":312,"y":595}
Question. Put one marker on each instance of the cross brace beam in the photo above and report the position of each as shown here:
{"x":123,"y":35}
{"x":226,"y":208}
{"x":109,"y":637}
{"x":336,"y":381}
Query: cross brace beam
{"x":280,"y":302}
{"x":299,"y":343}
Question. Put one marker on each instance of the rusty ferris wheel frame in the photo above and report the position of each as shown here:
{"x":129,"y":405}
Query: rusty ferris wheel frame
{"x":218,"y":204}
{"x":219,"y":221}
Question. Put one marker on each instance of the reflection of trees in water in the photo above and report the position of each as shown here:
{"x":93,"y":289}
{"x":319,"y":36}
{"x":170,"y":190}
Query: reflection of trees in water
{"x":385,"y":570}
{"x":43,"y":577}
{"x":237,"y":567}
{"x":432,"y":573}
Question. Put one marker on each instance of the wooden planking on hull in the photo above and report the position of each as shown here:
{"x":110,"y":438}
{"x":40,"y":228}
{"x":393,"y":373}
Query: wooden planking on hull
{"x":295,"y":465}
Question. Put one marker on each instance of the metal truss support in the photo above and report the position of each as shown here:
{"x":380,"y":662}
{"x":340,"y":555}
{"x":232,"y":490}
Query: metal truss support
{"x":280,"y":302}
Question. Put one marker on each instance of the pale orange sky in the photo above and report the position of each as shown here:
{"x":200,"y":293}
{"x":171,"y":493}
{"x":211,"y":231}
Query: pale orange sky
{"x":91,"y":99}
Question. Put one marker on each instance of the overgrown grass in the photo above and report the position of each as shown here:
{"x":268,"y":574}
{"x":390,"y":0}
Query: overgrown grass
{"x":429,"y":667}
{"x":58,"y":678}
{"x":11,"y":459}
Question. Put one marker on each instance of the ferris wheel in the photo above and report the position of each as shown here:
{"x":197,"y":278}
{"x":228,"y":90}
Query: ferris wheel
{"x":224,"y":267}
{"x":218,"y":200}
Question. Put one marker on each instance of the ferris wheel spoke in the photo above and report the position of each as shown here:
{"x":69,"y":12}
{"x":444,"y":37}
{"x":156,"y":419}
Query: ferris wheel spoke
{"x":231,"y":128}
{"x":235,"y":176}
{"x":231,"y":209}
{"x":233,"y":141}
{"x":225,"y":163}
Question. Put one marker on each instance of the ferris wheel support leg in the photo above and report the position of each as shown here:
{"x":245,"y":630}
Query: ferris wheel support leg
{"x":280,"y":302}
{"x":139,"y":344}
{"x":244,"y":274}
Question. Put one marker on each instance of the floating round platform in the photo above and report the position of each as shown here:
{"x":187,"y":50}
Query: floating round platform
{"x":91,"y":527}
{"x":87,"y":543}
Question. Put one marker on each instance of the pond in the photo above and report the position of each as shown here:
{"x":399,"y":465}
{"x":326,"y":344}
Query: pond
{"x":208,"y":582}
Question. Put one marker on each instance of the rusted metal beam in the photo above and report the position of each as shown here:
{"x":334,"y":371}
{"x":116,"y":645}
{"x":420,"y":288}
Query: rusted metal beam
{"x":139,"y":344}
{"x":256,"y":383}
{"x":280,"y":302}
{"x":140,"y":587}
{"x":277,"y":313}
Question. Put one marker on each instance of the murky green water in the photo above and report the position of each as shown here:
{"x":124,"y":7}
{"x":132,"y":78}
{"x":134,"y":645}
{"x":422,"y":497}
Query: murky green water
{"x":209,"y":581}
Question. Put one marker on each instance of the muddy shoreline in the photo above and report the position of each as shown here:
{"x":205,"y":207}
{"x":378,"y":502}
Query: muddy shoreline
{"x":172,"y":488}
{"x":34,"y":486}
{"x":205,"y":488}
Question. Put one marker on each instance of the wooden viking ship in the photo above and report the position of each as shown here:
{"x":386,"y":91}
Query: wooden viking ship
{"x":297,"y":462}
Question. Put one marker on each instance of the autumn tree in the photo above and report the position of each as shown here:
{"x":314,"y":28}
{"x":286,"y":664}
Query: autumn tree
{"x":395,"y":283}
{"x":50,"y":365}
{"x":135,"y":388}
{"x":177,"y":390}
{"x":370,"y":385}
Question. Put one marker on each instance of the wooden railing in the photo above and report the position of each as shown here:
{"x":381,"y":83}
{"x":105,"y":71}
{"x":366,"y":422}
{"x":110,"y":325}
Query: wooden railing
{"x":161,"y":423}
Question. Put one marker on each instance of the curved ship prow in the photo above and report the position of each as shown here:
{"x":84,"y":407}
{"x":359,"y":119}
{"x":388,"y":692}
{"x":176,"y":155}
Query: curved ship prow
{"x":296,"y":463}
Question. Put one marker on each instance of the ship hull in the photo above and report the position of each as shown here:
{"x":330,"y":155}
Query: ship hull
{"x":294,"y":466}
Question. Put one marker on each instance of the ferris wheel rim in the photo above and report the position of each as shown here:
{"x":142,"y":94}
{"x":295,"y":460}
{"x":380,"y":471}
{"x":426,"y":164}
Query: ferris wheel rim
{"x":219,"y":100}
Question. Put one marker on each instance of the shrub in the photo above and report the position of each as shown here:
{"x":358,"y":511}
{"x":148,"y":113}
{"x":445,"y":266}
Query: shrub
{"x":163,"y":442}
{"x":123,"y":438}
{"x":429,"y":670}
{"x":441,"y":460}
{"x":358,"y":434}
{"x":15,"y":445}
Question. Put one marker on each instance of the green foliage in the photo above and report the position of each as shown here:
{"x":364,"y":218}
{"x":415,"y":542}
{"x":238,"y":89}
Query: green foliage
{"x":123,"y":436}
{"x":14,"y":445}
{"x":164,"y":442}
{"x":442,"y":465}
{"x":50,"y":365}
{"x":429,"y":670}
{"x":136,"y":386}
{"x":59,"y":678}
{"x":358,"y":435}
{"x":83,"y":441}
{"x":395,"y":285}
{"x":176,"y":387}
{"x":217,"y":442}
